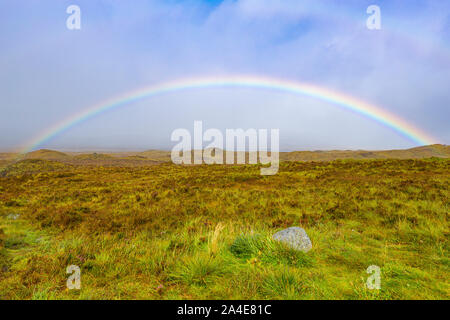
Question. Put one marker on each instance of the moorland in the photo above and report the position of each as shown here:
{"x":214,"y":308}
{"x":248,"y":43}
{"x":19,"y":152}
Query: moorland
{"x":140,"y":227}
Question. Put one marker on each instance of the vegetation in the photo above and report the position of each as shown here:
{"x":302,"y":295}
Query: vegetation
{"x":174,"y":232}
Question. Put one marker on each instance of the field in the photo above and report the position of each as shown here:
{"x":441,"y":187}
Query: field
{"x":155,"y":230}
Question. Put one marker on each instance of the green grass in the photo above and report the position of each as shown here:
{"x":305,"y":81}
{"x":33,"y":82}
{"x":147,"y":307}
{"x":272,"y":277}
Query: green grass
{"x":204,"y":232}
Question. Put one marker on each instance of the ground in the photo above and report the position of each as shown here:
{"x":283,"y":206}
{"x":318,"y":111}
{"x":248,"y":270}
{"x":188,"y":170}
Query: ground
{"x":164,"y":231}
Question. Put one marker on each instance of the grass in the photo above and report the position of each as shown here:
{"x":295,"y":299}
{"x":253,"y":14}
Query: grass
{"x":204,"y":232}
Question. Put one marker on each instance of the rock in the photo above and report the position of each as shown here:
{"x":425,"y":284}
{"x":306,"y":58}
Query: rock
{"x":13,"y":216}
{"x":294,"y":237}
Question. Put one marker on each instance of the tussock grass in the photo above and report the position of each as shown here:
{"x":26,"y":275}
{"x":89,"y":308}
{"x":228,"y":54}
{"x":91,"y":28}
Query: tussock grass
{"x":282,"y":284}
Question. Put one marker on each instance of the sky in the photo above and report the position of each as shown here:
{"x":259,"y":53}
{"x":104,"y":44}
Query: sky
{"x":48,"y":72}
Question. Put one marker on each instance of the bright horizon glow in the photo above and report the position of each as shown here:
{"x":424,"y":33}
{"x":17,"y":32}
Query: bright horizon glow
{"x":346,"y":102}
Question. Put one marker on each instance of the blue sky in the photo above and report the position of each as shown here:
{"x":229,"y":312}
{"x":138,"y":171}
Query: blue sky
{"x":49,"y":72}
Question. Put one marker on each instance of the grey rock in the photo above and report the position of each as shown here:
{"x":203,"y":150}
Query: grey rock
{"x":13,"y":216}
{"x":294,"y":237}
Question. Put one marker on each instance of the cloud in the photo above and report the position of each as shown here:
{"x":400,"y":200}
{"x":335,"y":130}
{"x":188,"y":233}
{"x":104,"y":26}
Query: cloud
{"x":50,"y":73}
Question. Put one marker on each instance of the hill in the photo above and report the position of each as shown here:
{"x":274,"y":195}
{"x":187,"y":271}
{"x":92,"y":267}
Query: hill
{"x":45,"y":154}
{"x":93,"y":156}
{"x":439,"y":151}
{"x":157,"y":156}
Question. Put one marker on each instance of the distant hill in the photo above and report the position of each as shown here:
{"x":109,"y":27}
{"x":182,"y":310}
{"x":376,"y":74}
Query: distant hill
{"x":157,"y":156}
{"x":93,"y":156}
{"x":7,"y":156}
{"x":440,"y":151}
{"x":45,"y":154}
{"x":437,"y":150}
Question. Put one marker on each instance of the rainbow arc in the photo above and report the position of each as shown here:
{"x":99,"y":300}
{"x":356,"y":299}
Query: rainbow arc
{"x":401,"y":126}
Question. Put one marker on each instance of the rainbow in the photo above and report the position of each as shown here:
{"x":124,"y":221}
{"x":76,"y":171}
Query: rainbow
{"x":339,"y":99}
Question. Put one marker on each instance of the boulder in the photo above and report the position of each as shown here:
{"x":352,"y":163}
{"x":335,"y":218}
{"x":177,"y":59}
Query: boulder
{"x":295,"y":237}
